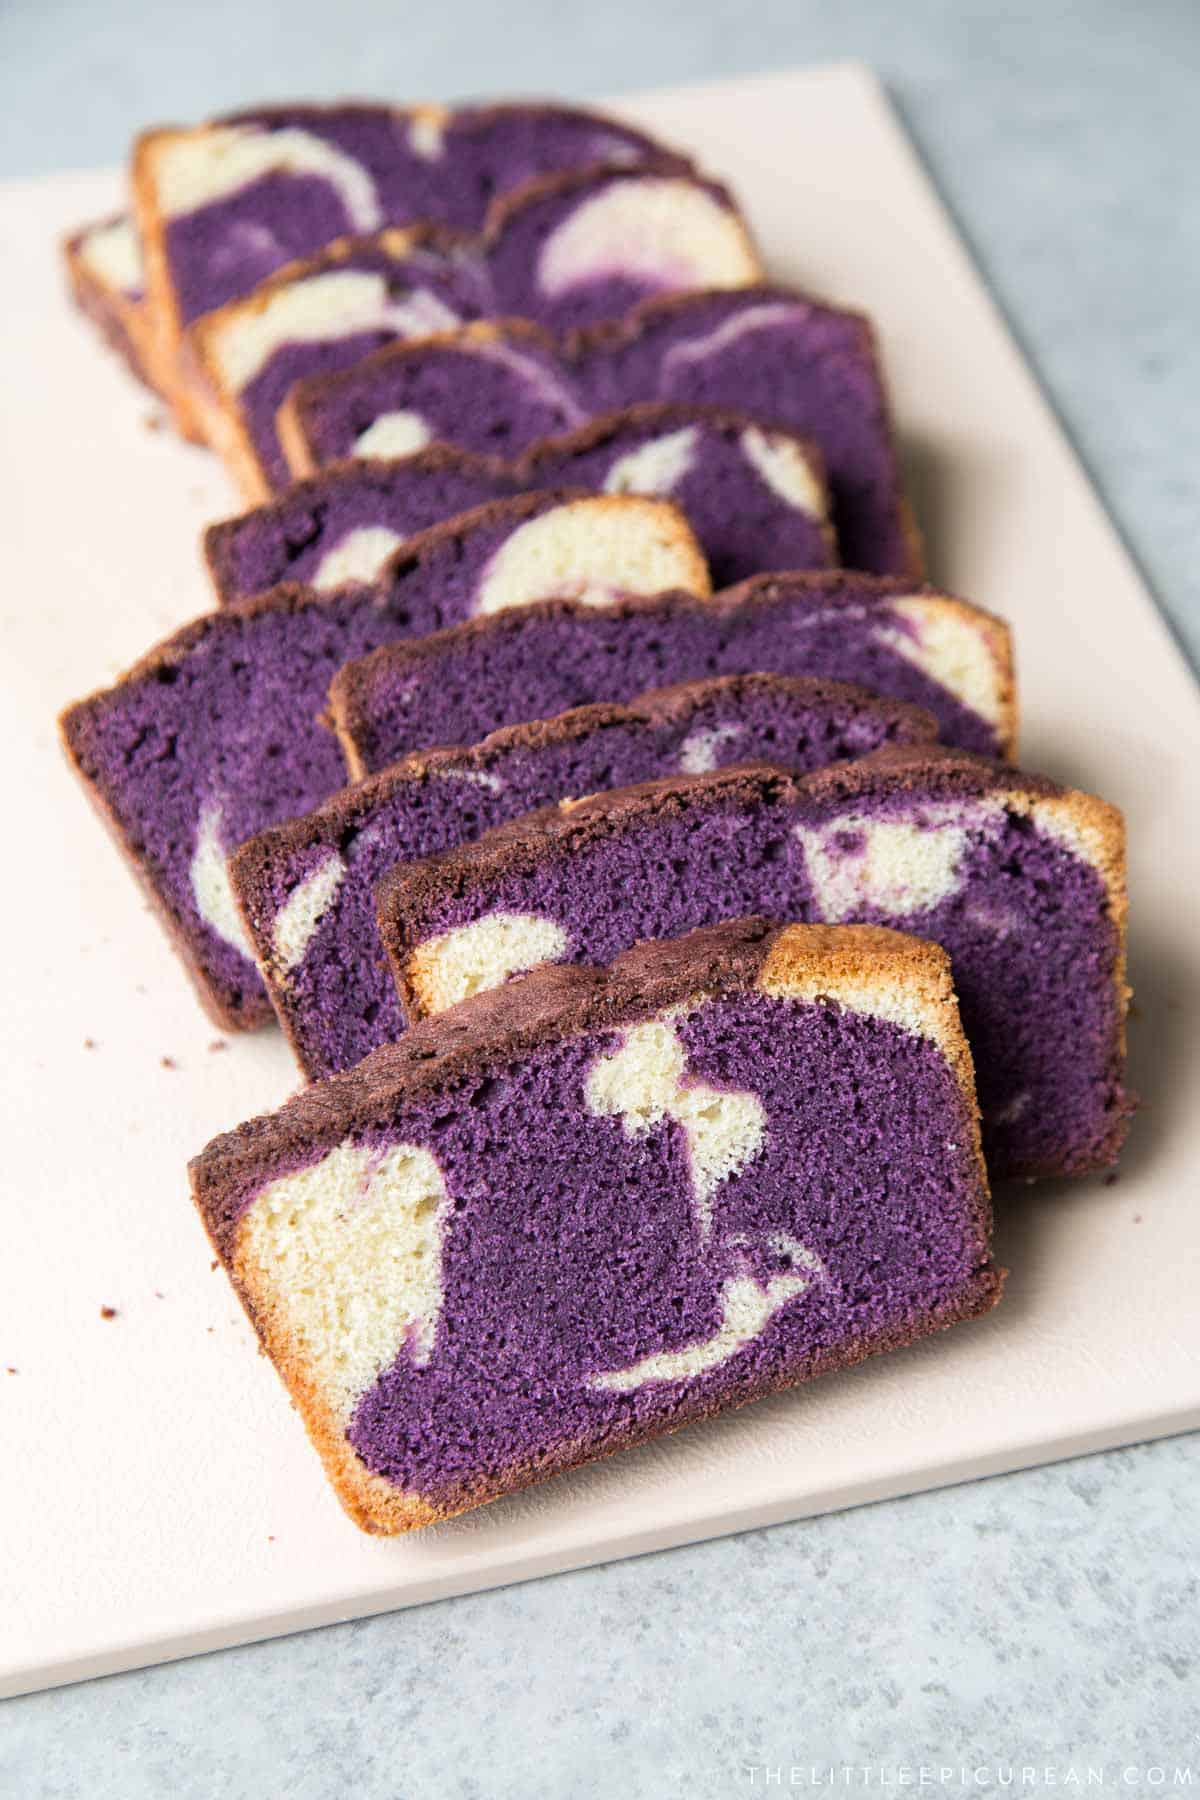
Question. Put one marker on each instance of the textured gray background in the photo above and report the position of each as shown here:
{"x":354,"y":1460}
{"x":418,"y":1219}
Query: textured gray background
{"x":1047,"y":1620}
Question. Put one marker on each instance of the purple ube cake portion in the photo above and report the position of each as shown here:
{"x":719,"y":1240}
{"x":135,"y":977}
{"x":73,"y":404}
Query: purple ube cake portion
{"x":768,"y":351}
{"x":217,"y":734}
{"x":222,"y":206}
{"x":312,"y":319}
{"x":917,"y":645}
{"x":588,"y":245}
{"x":492,"y":388}
{"x":1021,"y":881}
{"x":599,"y":1205}
{"x":234,"y":200}
{"x":306,"y":889}
{"x":565,"y":251}
{"x":756,"y":499}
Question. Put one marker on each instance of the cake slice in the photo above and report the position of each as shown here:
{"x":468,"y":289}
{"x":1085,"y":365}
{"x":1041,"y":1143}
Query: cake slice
{"x":588,"y":1210}
{"x":104,"y":271}
{"x":564,"y":251}
{"x":221,"y":206}
{"x":305,"y":889}
{"x":315,"y":317}
{"x":768,"y":351}
{"x":1021,"y":881}
{"x":943,"y":654}
{"x":754,"y":496}
{"x":216,"y":734}
{"x":581,"y":246}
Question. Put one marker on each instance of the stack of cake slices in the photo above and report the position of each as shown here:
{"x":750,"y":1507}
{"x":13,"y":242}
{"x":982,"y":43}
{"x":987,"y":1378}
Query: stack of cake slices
{"x":577,"y":763}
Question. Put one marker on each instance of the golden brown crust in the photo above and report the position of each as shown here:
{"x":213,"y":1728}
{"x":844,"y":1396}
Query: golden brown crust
{"x":374,"y":1504}
{"x":998,"y":636}
{"x":839,"y":959}
{"x":1097,"y":829}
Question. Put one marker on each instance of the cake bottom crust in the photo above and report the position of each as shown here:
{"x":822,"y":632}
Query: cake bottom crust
{"x":380,"y":1509}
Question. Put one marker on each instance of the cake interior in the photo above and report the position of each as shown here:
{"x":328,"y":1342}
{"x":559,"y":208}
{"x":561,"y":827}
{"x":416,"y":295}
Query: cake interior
{"x":547,"y":1254}
{"x":218,"y":734}
{"x":308,"y":889}
{"x":1004,"y":880}
{"x":754,"y":497}
{"x":928,"y":649}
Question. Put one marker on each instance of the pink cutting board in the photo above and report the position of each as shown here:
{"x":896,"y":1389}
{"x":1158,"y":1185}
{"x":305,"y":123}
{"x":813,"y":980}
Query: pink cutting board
{"x":158,"y":1495}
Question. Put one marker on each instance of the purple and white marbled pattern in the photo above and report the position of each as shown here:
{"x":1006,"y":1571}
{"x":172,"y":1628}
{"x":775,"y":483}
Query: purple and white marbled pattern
{"x":770,"y":352}
{"x":755,"y":498}
{"x":330,"y":311}
{"x":306,"y":888}
{"x":939,"y":653}
{"x":548,"y":1252}
{"x":1021,"y":882}
{"x":218,"y":734}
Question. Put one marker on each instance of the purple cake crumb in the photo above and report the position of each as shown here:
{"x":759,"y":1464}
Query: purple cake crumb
{"x":455,"y":688}
{"x":1022,"y":882}
{"x":217,"y":733}
{"x":331,"y":311}
{"x":600,"y":1205}
{"x":311,"y":174}
{"x":768,"y":351}
{"x":756,"y":499}
{"x":306,"y":888}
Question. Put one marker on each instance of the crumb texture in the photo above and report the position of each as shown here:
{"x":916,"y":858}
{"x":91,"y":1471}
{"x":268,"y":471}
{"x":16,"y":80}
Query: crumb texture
{"x":609,"y":1204}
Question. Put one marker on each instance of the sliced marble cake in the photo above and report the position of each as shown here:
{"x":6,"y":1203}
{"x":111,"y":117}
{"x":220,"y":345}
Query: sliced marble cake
{"x":768,"y":351}
{"x":755,"y":496}
{"x":937,"y":652}
{"x":216,"y":734}
{"x":599,"y":1205}
{"x":1022,"y":882}
{"x":222,"y":206}
{"x":566,"y":251}
{"x":104,"y":271}
{"x":305,"y":889}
